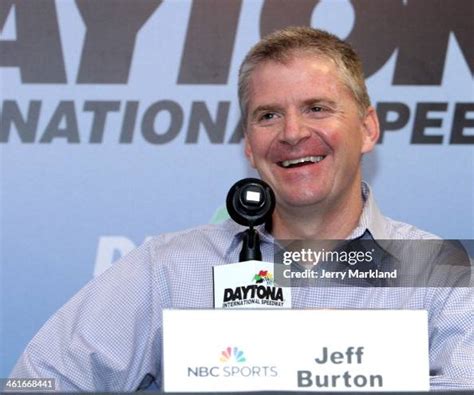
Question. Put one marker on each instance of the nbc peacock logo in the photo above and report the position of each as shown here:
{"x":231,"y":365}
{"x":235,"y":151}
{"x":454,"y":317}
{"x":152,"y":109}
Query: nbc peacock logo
{"x":232,"y":354}
{"x":263,"y":276}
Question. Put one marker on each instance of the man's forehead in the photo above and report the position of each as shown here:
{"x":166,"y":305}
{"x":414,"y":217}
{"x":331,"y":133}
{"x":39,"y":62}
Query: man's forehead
{"x":291,"y":57}
{"x":323,"y":65}
{"x":292,"y":73}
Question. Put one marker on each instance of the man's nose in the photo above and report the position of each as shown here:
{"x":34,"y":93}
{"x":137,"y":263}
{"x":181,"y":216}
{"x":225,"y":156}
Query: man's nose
{"x":294,"y":129}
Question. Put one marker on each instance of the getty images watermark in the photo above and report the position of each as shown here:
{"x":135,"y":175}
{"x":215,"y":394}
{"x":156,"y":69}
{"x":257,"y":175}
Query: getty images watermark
{"x":374,"y":263}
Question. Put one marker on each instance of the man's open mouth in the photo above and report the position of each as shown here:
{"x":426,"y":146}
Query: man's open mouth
{"x":307,"y":160}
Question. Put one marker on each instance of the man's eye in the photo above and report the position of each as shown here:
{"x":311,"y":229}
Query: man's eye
{"x":316,"y":109}
{"x":268,"y":116}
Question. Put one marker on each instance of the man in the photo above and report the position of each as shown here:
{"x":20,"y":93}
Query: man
{"x":308,"y":121}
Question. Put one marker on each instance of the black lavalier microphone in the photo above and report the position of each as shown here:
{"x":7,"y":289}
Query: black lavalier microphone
{"x":250,"y":202}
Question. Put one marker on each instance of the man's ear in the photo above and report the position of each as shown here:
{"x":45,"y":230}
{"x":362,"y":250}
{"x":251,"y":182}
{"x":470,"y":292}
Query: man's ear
{"x":249,"y":151}
{"x":370,"y":130}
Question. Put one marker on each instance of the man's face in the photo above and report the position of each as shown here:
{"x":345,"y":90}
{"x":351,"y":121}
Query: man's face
{"x":304,"y":132}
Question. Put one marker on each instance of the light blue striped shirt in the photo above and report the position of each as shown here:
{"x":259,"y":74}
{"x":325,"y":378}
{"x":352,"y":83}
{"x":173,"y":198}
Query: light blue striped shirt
{"x":108,"y":336}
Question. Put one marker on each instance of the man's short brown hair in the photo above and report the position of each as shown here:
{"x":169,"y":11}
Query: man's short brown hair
{"x":282,"y":45}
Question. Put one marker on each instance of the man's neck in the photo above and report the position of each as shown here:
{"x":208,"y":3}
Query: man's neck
{"x":318,"y":223}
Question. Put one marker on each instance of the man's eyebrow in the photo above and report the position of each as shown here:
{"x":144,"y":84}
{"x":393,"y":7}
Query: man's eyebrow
{"x":320,"y":100}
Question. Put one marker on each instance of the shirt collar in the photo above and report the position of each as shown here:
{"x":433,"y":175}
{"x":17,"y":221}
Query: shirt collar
{"x":371,"y":219}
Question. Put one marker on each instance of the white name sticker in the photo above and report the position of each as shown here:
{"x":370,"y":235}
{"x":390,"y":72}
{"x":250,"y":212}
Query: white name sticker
{"x":295,"y":350}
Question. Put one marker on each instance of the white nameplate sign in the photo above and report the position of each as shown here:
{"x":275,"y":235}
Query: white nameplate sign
{"x":249,"y":285}
{"x":295,"y":350}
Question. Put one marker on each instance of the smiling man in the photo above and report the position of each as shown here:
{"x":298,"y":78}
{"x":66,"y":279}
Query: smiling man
{"x":308,"y":121}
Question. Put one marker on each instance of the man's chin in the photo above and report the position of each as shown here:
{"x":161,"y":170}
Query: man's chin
{"x":300,"y":202}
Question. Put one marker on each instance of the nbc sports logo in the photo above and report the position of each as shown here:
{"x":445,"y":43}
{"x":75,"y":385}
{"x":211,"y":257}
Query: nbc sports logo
{"x":234,"y":365}
{"x":232,"y":355}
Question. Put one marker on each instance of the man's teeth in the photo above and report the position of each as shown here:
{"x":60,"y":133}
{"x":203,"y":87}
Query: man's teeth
{"x":313,"y":159}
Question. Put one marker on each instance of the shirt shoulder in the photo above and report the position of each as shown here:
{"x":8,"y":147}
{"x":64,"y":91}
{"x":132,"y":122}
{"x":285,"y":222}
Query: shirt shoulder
{"x":223,"y":230}
{"x":401,"y":230}
{"x":210,"y":242}
{"x":382,"y":227}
